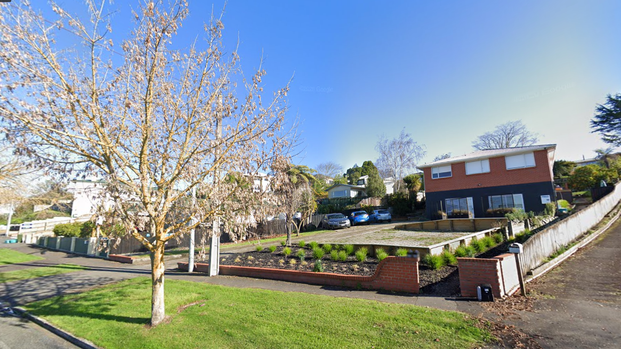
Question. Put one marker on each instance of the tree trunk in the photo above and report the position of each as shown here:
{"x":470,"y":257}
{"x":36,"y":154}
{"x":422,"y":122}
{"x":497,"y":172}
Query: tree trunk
{"x":288,"y":242}
{"x":158,"y":309}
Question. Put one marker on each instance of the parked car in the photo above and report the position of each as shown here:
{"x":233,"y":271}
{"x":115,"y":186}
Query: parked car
{"x":380,"y":216}
{"x":334,"y":221}
{"x":359,"y":217}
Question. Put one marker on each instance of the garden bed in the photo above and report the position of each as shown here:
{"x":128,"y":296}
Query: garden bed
{"x":441,"y":282}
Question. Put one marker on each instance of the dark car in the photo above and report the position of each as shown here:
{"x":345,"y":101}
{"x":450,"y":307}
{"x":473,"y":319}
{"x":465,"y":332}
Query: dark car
{"x":334,"y":221}
{"x":359,"y":217}
{"x":380,"y":216}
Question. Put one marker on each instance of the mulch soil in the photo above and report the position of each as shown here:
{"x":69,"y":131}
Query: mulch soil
{"x":443,"y":282}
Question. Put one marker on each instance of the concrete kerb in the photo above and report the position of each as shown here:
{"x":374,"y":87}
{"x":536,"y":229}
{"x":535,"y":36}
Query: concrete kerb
{"x":80,"y":342}
{"x":546,"y":267}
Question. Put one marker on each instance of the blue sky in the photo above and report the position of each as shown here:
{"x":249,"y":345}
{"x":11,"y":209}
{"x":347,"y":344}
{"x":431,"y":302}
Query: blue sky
{"x":445,"y":71}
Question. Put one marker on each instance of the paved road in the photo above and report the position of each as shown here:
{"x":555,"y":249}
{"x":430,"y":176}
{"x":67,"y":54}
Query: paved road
{"x":581,"y":303}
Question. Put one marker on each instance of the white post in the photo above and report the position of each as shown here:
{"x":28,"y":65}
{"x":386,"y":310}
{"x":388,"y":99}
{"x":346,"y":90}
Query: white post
{"x":214,"y":246}
{"x":8,"y":222}
{"x":192,"y":234}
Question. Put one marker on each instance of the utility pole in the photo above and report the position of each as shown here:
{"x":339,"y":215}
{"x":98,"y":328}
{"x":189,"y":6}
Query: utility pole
{"x":8,"y":221}
{"x":214,"y":246}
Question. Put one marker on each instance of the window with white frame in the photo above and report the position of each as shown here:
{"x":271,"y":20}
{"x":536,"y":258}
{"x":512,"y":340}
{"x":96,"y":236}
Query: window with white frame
{"x":480,"y":166}
{"x":506,"y":201}
{"x":340,"y":193}
{"x":441,"y":172}
{"x":520,"y":161}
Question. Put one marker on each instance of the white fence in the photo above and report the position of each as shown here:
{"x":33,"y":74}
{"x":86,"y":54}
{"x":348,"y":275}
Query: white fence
{"x":45,"y":226}
{"x":543,"y":244}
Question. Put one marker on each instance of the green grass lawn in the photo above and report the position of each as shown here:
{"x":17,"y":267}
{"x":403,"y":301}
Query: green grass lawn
{"x":39,"y":272}
{"x":8,"y":256}
{"x":211,"y":316}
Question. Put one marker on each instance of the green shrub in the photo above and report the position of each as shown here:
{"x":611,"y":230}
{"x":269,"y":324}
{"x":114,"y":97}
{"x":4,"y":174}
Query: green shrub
{"x":461,"y":252}
{"x":313,"y":245}
{"x":498,"y":238}
{"x":337,"y":247}
{"x":449,"y":258}
{"x":283,"y":243}
{"x":68,"y":229}
{"x":272,"y":248}
{"x":401,"y":252}
{"x":550,"y":208}
{"x":327,"y":248}
{"x":434,"y":261}
{"x":349,"y":249}
{"x":301,"y":243}
{"x":381,"y":254}
{"x":343,"y":256}
{"x":259,"y":248}
{"x":334,"y":255}
{"x":361,"y":254}
{"x":87,"y":228}
{"x":489,"y":242}
{"x":286,"y":251}
{"x":318,"y":253}
{"x":471,"y":251}
{"x":301,"y":254}
{"x":318,"y":267}
{"x":478,"y":245}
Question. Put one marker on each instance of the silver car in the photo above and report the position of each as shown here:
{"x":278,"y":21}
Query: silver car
{"x":334,"y":221}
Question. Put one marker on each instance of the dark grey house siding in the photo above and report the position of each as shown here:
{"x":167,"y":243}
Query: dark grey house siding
{"x":531,"y":194}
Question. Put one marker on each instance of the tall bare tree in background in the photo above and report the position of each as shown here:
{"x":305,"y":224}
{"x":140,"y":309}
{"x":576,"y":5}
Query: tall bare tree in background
{"x":329,"y":169}
{"x":398,"y":156}
{"x":154,"y":120}
{"x":507,"y":135}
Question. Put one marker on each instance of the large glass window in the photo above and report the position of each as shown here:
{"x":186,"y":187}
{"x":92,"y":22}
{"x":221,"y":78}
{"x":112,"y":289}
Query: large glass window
{"x":456,"y":206}
{"x":441,"y":172}
{"x":506,"y":201}
{"x":520,"y":161}
{"x":474,"y":167}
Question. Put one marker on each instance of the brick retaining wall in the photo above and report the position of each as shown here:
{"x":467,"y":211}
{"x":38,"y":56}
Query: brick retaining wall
{"x":399,"y":274}
{"x":500,"y":272}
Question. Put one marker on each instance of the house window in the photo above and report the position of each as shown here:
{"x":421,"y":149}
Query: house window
{"x":520,"y":161}
{"x":441,"y":172}
{"x":339,"y":193}
{"x":456,"y":206}
{"x":506,"y":201}
{"x":474,"y":167}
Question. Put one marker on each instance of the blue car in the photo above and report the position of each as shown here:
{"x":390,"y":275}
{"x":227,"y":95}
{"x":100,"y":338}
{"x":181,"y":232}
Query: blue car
{"x":380,"y":216}
{"x":359,"y":217}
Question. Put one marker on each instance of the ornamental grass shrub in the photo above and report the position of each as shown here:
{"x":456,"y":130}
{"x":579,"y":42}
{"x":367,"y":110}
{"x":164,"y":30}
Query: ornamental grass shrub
{"x":381,"y":254}
{"x":318,"y":253}
{"x":401,"y":252}
{"x":361,"y":254}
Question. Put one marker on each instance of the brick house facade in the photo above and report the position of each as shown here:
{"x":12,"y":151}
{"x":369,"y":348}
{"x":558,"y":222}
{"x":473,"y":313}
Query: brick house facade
{"x":485,"y":182}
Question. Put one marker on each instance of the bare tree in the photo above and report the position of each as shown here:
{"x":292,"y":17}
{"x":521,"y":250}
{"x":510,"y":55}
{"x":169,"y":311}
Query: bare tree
{"x":398,"y":156}
{"x":329,"y":169}
{"x":508,"y":135}
{"x":153,"y":120}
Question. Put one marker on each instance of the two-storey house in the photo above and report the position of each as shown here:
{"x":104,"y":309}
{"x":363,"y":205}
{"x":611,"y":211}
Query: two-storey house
{"x":485,"y":182}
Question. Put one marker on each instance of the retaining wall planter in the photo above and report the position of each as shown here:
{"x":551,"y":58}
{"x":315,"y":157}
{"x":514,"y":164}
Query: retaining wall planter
{"x":398,"y":274}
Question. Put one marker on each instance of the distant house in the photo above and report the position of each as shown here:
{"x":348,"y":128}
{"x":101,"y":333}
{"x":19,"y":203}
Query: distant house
{"x":486,"y":182}
{"x":87,"y":196}
{"x":388,"y":182}
{"x":339,"y":191}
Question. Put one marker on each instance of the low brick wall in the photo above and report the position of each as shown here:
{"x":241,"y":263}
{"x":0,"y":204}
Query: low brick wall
{"x":399,"y":274}
{"x":121,"y":258}
{"x":476,"y":271}
{"x":499,"y":272}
